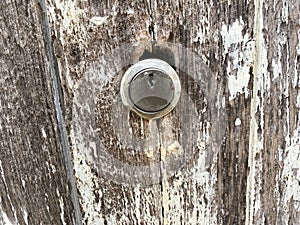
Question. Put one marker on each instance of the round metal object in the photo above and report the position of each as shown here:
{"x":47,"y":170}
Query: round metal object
{"x":151,"y":88}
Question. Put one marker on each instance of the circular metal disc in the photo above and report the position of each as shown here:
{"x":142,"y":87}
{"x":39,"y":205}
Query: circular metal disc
{"x":151,"y":88}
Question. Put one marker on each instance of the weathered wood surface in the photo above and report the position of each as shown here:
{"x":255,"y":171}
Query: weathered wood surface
{"x":34,"y":188}
{"x":273,"y":184}
{"x":131,"y":171}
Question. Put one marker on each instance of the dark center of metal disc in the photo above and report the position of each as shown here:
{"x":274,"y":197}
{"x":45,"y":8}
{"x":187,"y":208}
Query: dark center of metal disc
{"x":151,"y":91}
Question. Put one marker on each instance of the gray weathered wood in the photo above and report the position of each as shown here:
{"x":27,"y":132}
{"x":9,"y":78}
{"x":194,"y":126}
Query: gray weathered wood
{"x":235,"y":57}
{"x":34,"y":188}
{"x":274,"y":188}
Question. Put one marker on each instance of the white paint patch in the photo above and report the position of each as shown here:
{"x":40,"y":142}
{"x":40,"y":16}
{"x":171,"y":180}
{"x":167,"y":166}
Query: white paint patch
{"x":223,"y":102}
{"x":71,"y":14}
{"x":296,"y":77}
{"x":130,"y":11}
{"x":53,"y":168}
{"x":112,"y":219}
{"x":62,"y":211}
{"x":290,"y":176}
{"x":2,"y":173}
{"x":237,"y":122}
{"x":3,"y":215}
{"x":98,"y":20}
{"x":85,"y":184}
{"x":285,"y":11}
{"x":203,"y":30}
{"x":61,"y":204}
{"x":238,"y":84}
{"x":155,"y":31}
{"x":44,"y":133}
{"x":291,"y":170}
{"x":277,"y":68}
{"x":298,"y":100}
{"x":256,"y":141}
{"x":4,"y":180}
{"x":25,"y":216}
{"x":23,"y":183}
{"x":298,"y":46}
{"x":137,"y":198}
{"x":174,"y":148}
{"x":232,"y":35}
{"x":242,"y":53}
{"x":5,"y":218}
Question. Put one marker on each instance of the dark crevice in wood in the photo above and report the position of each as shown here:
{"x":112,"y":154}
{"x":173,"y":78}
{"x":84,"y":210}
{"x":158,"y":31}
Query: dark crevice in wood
{"x":159,"y":52}
{"x":151,"y":28}
{"x":162,"y":173}
{"x":179,"y":23}
{"x":60,"y":112}
{"x":33,"y":179}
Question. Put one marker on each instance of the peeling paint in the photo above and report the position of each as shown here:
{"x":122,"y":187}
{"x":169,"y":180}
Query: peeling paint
{"x":285,"y":11}
{"x":175,"y":148}
{"x":256,"y":140}
{"x":232,"y":35}
{"x":202,"y":30}
{"x":291,"y":176}
{"x":23,"y":183}
{"x":298,"y":100}
{"x":98,"y":20}
{"x":241,"y":51}
{"x":237,"y":122}
{"x":70,"y":20}
{"x":4,"y":218}
{"x":242,"y":60}
{"x":44,"y":133}
{"x":298,"y":45}
{"x":137,"y":197}
{"x":287,"y":182}
{"x":291,"y":170}
{"x":130,"y":11}
{"x":238,"y":84}
{"x":277,"y":68}
{"x":85,"y":184}
{"x":25,"y":216}
{"x":165,"y":201}
{"x":61,"y":205}
{"x":9,"y":199}
{"x":62,"y":211}
{"x":181,"y":190}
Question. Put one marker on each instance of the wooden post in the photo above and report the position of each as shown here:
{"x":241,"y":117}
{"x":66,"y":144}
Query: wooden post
{"x":71,"y":153}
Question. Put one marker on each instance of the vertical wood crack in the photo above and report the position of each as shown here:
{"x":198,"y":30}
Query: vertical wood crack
{"x":153,"y":33}
{"x":162,"y":173}
{"x":152,"y":27}
{"x":59,"y":107}
{"x":250,"y":192}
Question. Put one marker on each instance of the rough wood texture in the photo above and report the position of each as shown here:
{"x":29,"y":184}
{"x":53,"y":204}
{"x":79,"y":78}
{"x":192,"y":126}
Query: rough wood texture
{"x":273,"y":184}
{"x":228,"y":153}
{"x":34,"y":188}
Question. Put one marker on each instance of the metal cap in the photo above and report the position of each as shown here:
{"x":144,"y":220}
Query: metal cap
{"x":151,"y":88}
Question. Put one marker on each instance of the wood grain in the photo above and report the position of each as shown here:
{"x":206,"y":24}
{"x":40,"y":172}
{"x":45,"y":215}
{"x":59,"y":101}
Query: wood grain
{"x":209,"y":193}
{"x":274,"y":164}
{"x":227,"y":154}
{"x":34,"y":188}
{"x":218,"y":185}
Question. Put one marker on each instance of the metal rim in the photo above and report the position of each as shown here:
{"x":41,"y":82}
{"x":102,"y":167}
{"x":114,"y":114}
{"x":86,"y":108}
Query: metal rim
{"x":135,"y":70}
{"x":138,"y":107}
